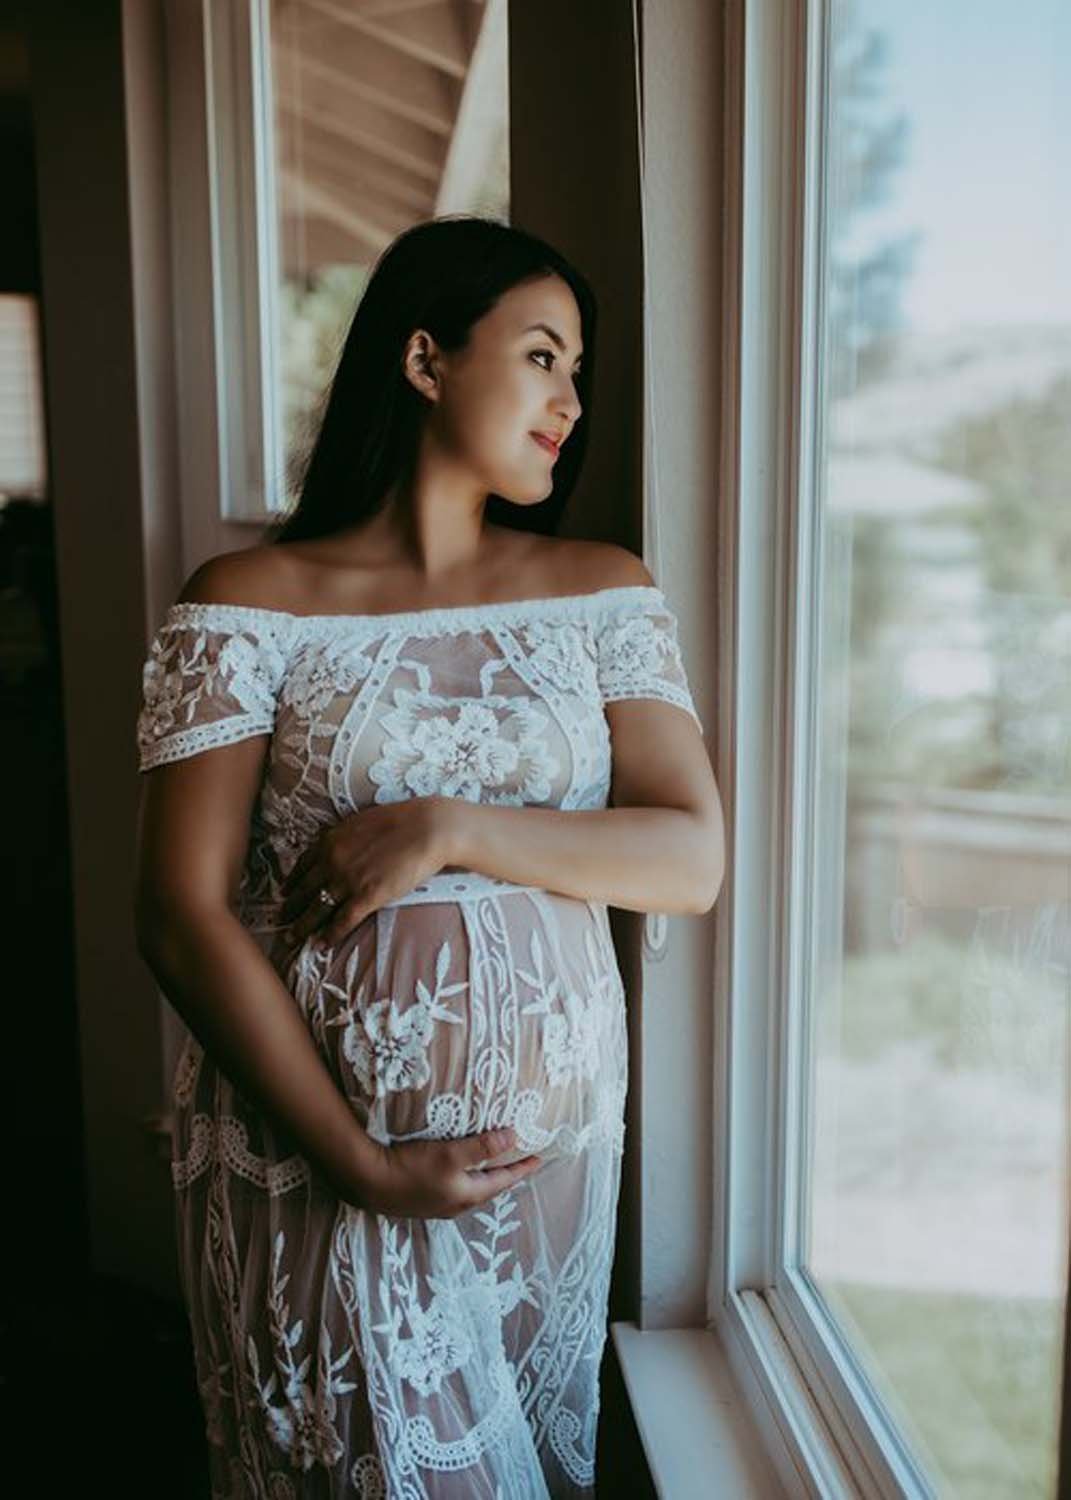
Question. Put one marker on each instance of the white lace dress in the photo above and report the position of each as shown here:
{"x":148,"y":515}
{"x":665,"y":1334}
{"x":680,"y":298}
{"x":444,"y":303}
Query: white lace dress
{"x":338,"y":1351}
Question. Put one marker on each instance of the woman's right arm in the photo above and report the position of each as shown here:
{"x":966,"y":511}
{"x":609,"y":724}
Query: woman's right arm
{"x":193,"y":835}
{"x":193,"y":832}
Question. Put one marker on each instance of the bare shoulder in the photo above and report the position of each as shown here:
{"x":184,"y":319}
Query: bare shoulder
{"x":254,"y":577}
{"x":602,"y":565}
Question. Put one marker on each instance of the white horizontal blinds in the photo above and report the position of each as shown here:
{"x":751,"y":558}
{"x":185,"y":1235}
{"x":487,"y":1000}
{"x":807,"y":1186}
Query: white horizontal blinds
{"x":937,"y":838}
{"x":378,"y":121}
{"x":329,"y":131}
{"x":22,"y":430}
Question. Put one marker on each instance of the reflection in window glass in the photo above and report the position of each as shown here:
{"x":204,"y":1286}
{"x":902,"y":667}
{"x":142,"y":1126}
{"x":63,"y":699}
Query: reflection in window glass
{"x":383,"y":116}
{"x":23,"y":460}
{"x":938,"y":1112}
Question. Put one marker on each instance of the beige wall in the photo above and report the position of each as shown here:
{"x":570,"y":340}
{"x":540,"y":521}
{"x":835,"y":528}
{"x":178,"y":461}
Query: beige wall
{"x":684,"y":133}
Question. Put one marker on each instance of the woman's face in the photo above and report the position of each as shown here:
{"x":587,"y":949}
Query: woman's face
{"x":512,"y":380}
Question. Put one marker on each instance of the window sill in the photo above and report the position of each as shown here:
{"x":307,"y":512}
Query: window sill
{"x":697,"y":1435}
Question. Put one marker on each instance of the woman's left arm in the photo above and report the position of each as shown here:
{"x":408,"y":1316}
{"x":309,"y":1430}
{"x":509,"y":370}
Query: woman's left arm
{"x":659,"y":847}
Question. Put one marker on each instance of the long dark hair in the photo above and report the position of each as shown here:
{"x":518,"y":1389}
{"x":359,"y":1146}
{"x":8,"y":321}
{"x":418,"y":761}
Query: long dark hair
{"x":443,"y":274}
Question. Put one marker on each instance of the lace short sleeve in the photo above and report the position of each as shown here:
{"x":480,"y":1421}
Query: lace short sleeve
{"x":211,"y":678}
{"x":639,"y":655}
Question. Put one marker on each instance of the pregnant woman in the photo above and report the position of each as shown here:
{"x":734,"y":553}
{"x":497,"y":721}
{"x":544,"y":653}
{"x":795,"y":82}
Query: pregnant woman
{"x":376,"y":851}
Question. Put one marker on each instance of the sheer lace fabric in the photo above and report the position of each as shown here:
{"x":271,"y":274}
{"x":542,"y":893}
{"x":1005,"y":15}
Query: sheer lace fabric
{"x":341,"y":1352}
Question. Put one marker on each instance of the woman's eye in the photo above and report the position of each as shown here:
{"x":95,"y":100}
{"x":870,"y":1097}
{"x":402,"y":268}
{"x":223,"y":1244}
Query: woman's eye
{"x":536,"y":353}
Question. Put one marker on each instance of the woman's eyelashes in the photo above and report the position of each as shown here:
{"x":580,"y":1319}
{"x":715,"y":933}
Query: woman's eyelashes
{"x":551,"y":356}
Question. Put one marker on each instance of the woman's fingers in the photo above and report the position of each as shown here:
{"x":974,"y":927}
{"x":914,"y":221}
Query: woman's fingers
{"x":303,"y":911}
{"x":470,"y":1150}
{"x":442,"y":1178}
{"x":485,"y":1182}
{"x":494,"y":1180}
{"x":342,"y":921}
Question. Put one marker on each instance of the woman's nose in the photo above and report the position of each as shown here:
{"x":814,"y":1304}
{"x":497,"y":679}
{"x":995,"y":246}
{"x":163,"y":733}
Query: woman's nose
{"x":568,"y":404}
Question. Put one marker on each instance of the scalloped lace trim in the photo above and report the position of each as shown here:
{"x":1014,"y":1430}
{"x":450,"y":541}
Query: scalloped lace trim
{"x":450,"y":618}
{"x":665,"y":691}
{"x":231,"y":1140}
{"x":202,"y":737}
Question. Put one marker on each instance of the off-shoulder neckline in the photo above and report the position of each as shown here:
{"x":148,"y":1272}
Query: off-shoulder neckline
{"x":457,"y":616}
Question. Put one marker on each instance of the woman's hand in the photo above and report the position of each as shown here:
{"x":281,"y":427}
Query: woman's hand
{"x":440,"y":1179}
{"x":365,"y":860}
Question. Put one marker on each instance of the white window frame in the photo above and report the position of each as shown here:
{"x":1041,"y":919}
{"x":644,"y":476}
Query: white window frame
{"x":224,"y":222}
{"x":822,"y":1419}
{"x":245,"y":251}
{"x":225,"y":259}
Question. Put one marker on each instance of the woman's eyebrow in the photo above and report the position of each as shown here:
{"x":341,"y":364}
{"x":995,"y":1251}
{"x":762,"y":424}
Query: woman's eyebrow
{"x":552,"y":334}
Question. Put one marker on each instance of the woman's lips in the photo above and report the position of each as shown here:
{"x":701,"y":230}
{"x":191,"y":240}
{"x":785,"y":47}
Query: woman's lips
{"x":545,"y":443}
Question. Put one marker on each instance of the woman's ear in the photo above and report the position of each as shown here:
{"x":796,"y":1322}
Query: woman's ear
{"x":420,"y":363}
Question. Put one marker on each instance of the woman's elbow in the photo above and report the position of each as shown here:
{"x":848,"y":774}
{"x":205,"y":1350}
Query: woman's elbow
{"x":710,"y":861}
{"x":709,"y":899}
{"x":708,"y":885}
{"x":163,"y":919}
{"x":151,"y":926}
{"x":144,"y":910}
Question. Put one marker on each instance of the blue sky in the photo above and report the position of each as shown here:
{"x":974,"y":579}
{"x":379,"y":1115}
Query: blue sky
{"x":987,"y":175}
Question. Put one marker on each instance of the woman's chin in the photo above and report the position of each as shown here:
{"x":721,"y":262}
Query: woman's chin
{"x":525,"y":494}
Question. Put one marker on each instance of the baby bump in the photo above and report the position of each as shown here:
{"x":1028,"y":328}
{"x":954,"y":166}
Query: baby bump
{"x":446,"y":1018}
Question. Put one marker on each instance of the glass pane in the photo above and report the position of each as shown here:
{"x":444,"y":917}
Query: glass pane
{"x":384,"y":115}
{"x":938,"y":1207}
{"x":23,"y":460}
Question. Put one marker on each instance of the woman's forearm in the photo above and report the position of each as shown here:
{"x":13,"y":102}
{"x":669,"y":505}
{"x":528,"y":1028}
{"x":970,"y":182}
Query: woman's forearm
{"x":657,"y":859}
{"x":218,"y":979}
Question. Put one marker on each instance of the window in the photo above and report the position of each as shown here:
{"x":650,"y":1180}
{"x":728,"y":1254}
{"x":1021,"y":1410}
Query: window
{"x":922,"y":976}
{"x":306,"y":135}
{"x":23,"y":467}
{"x":936,"y":1206}
{"x":383,"y":115}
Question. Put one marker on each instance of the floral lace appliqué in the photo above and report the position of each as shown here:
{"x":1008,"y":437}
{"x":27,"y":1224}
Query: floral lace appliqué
{"x":320,"y":672}
{"x":302,"y":1425}
{"x":570,"y":1034}
{"x":200,"y":681}
{"x":632,"y":652}
{"x":438,"y":1345}
{"x":561,"y":653}
{"x":289,"y":818}
{"x":388,"y":1047}
{"x":482,"y":749}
